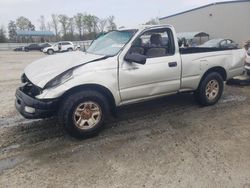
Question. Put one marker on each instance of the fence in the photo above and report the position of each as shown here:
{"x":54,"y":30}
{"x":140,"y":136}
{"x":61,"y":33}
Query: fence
{"x":12,"y":46}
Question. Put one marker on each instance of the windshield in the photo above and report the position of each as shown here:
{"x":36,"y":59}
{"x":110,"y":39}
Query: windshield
{"x":111,"y":43}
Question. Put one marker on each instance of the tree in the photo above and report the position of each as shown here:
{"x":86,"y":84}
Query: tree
{"x":102,"y":24}
{"x":111,"y":23}
{"x":2,"y":35}
{"x":42,"y":23}
{"x":71,"y":28}
{"x":64,"y":21}
{"x":91,"y":22}
{"x":55,"y":24}
{"x":154,"y":21}
{"x":23,"y":23}
{"x":31,"y":27}
{"x":48,"y":26}
{"x":79,"y":23}
{"x":12,"y":31}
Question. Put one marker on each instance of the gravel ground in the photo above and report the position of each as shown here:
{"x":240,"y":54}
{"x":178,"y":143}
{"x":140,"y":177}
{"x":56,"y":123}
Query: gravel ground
{"x":169,"y":142}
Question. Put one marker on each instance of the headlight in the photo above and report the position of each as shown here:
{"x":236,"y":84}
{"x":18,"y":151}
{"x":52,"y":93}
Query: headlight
{"x":60,"y":79}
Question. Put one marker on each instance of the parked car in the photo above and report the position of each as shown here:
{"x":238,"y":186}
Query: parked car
{"x":33,"y":47}
{"x":220,"y":43}
{"x":83,"y":88}
{"x":18,"y":49}
{"x":64,"y":46}
{"x":247,"y":62}
{"x":45,"y":45}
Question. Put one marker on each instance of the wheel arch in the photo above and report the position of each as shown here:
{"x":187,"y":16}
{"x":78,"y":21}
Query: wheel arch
{"x":94,"y":87}
{"x":218,"y":69}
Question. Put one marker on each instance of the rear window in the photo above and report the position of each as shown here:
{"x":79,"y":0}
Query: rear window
{"x":66,"y":43}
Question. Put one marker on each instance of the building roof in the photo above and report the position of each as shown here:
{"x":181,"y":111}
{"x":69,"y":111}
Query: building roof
{"x":212,"y":4}
{"x":35,"y":33}
{"x":192,"y":35}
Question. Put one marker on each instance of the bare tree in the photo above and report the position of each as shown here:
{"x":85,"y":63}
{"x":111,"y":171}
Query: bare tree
{"x":79,"y":23}
{"x":102,"y":24}
{"x":48,"y":26}
{"x":2,"y":35}
{"x":91,"y":22}
{"x":154,"y":21}
{"x":111,"y":23}
{"x":71,"y":26}
{"x":12,"y":31}
{"x":42,"y":23}
{"x":55,"y":24}
{"x":64,"y":21}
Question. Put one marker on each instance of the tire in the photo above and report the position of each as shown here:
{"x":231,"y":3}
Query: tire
{"x":82,"y":114}
{"x":210,"y":89}
{"x":50,"y":52}
{"x":70,"y":50}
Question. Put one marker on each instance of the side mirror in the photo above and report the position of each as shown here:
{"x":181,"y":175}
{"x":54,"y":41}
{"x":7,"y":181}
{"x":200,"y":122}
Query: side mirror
{"x":136,"y":58}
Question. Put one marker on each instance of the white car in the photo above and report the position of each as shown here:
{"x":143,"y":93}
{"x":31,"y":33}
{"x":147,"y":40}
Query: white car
{"x":247,"y":62}
{"x":121,"y":68}
{"x":64,"y":46}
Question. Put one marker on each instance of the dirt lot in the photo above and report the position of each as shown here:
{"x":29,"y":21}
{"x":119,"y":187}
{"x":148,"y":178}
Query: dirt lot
{"x":170,"y":142}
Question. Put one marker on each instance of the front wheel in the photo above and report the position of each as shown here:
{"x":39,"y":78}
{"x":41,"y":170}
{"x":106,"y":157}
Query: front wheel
{"x":210,"y":89}
{"x":83,"y":113}
{"x":50,"y":52}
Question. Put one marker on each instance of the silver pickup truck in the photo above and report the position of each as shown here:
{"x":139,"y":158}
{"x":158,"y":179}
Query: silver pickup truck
{"x":122,"y":67}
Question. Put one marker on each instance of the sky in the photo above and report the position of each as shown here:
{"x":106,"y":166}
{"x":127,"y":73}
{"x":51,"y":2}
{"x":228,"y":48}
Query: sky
{"x":126,"y":12}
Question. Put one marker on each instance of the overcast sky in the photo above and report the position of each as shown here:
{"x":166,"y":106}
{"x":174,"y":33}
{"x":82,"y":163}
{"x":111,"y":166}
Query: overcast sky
{"x":127,"y":12}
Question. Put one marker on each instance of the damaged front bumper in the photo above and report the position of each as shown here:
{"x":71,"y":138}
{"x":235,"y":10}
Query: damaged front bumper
{"x":32,"y":108}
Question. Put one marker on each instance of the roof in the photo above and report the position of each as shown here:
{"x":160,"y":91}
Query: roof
{"x":191,"y":35}
{"x":142,"y":27}
{"x":34,"y":33}
{"x":212,"y":4}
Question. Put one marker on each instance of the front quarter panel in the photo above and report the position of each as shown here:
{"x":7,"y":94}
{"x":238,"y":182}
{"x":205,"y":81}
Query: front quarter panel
{"x":103,"y":73}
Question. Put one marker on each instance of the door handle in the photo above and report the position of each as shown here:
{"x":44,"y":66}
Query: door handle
{"x":172,"y":64}
{"x":133,"y":68}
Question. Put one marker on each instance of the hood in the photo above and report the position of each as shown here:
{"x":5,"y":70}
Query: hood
{"x":42,"y":71}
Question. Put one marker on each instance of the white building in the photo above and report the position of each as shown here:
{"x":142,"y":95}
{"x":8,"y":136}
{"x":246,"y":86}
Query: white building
{"x":229,"y":19}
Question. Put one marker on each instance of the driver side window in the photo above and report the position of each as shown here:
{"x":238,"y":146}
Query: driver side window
{"x":154,"y":43}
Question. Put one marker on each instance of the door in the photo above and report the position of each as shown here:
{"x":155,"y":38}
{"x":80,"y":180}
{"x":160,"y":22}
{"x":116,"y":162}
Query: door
{"x":161,"y":73}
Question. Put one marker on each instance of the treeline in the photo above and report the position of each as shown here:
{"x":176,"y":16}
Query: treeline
{"x":82,"y":26}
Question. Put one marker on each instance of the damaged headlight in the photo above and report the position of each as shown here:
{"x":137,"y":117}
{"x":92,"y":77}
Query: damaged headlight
{"x":60,"y":79}
{"x":24,"y":79}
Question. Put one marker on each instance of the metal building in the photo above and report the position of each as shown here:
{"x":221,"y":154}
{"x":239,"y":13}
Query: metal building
{"x":229,"y":19}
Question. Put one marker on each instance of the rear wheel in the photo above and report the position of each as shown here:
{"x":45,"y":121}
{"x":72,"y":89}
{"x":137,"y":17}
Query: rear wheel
{"x":210,"y":89}
{"x":83,"y":113}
